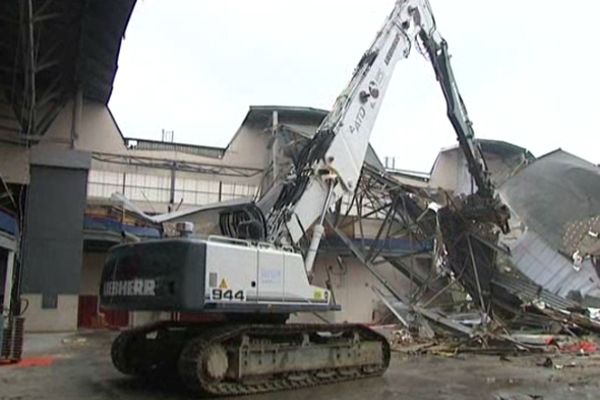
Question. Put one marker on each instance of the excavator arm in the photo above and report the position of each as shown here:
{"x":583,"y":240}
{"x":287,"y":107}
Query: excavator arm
{"x":330,"y":164}
{"x":485,"y":204}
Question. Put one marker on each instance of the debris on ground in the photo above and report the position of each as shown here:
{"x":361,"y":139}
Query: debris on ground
{"x":580,"y":347}
{"x":518,"y":396}
{"x":74,"y":340}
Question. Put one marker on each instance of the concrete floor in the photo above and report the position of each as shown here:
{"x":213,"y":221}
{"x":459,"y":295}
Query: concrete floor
{"x":82,"y":369}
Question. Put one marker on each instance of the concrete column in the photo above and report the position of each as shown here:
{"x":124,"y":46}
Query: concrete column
{"x":53,"y":238}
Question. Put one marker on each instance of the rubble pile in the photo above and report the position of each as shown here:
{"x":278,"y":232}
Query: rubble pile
{"x":531,"y":288}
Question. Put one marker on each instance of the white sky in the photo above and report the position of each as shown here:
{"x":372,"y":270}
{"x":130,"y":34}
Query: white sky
{"x":528,"y":71}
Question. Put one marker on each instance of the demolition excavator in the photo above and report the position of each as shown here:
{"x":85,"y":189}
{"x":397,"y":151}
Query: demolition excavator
{"x":244,"y":285}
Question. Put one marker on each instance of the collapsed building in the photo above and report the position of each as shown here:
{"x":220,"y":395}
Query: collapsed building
{"x":556,"y":207}
{"x":548,"y":262}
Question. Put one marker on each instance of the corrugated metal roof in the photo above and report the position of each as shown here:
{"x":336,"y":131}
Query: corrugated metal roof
{"x":541,"y":263}
{"x":528,"y":291}
{"x":155,"y":145}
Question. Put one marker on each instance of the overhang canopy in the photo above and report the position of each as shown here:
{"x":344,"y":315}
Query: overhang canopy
{"x":52,"y":49}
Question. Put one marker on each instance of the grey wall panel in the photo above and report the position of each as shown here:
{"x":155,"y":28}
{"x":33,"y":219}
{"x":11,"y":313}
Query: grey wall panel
{"x":61,"y":158}
{"x":53,"y":239}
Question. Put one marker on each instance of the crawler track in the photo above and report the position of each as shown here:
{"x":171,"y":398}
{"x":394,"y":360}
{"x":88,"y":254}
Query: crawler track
{"x":243,"y":359}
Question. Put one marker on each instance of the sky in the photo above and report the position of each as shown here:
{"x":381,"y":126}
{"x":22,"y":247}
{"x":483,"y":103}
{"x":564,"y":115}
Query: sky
{"x":527,"y":71}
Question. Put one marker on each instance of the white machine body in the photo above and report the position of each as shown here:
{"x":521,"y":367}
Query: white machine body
{"x":240,"y":271}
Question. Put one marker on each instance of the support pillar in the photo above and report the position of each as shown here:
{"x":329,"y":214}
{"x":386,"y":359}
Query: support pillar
{"x":53,"y":238}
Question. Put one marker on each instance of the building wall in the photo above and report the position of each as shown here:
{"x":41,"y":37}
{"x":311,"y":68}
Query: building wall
{"x":450,"y":170}
{"x":151,"y":189}
{"x":352,"y":286}
{"x":63,"y":318}
{"x":249,"y":148}
{"x":90,"y":315}
{"x":91,"y":272}
{"x":97,"y":131}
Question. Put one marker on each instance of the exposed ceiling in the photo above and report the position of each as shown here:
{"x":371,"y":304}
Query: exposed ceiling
{"x":51,"y":49}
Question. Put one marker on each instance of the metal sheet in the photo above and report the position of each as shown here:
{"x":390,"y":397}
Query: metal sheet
{"x":544,"y":265}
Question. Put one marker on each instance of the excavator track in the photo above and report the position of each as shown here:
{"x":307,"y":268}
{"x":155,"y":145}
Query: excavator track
{"x":248,"y":359}
{"x":149,"y":350}
{"x":236,"y":359}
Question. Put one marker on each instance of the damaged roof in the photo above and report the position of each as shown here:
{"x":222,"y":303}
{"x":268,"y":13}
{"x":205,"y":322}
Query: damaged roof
{"x":556,"y":199}
{"x":553,"y":192}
